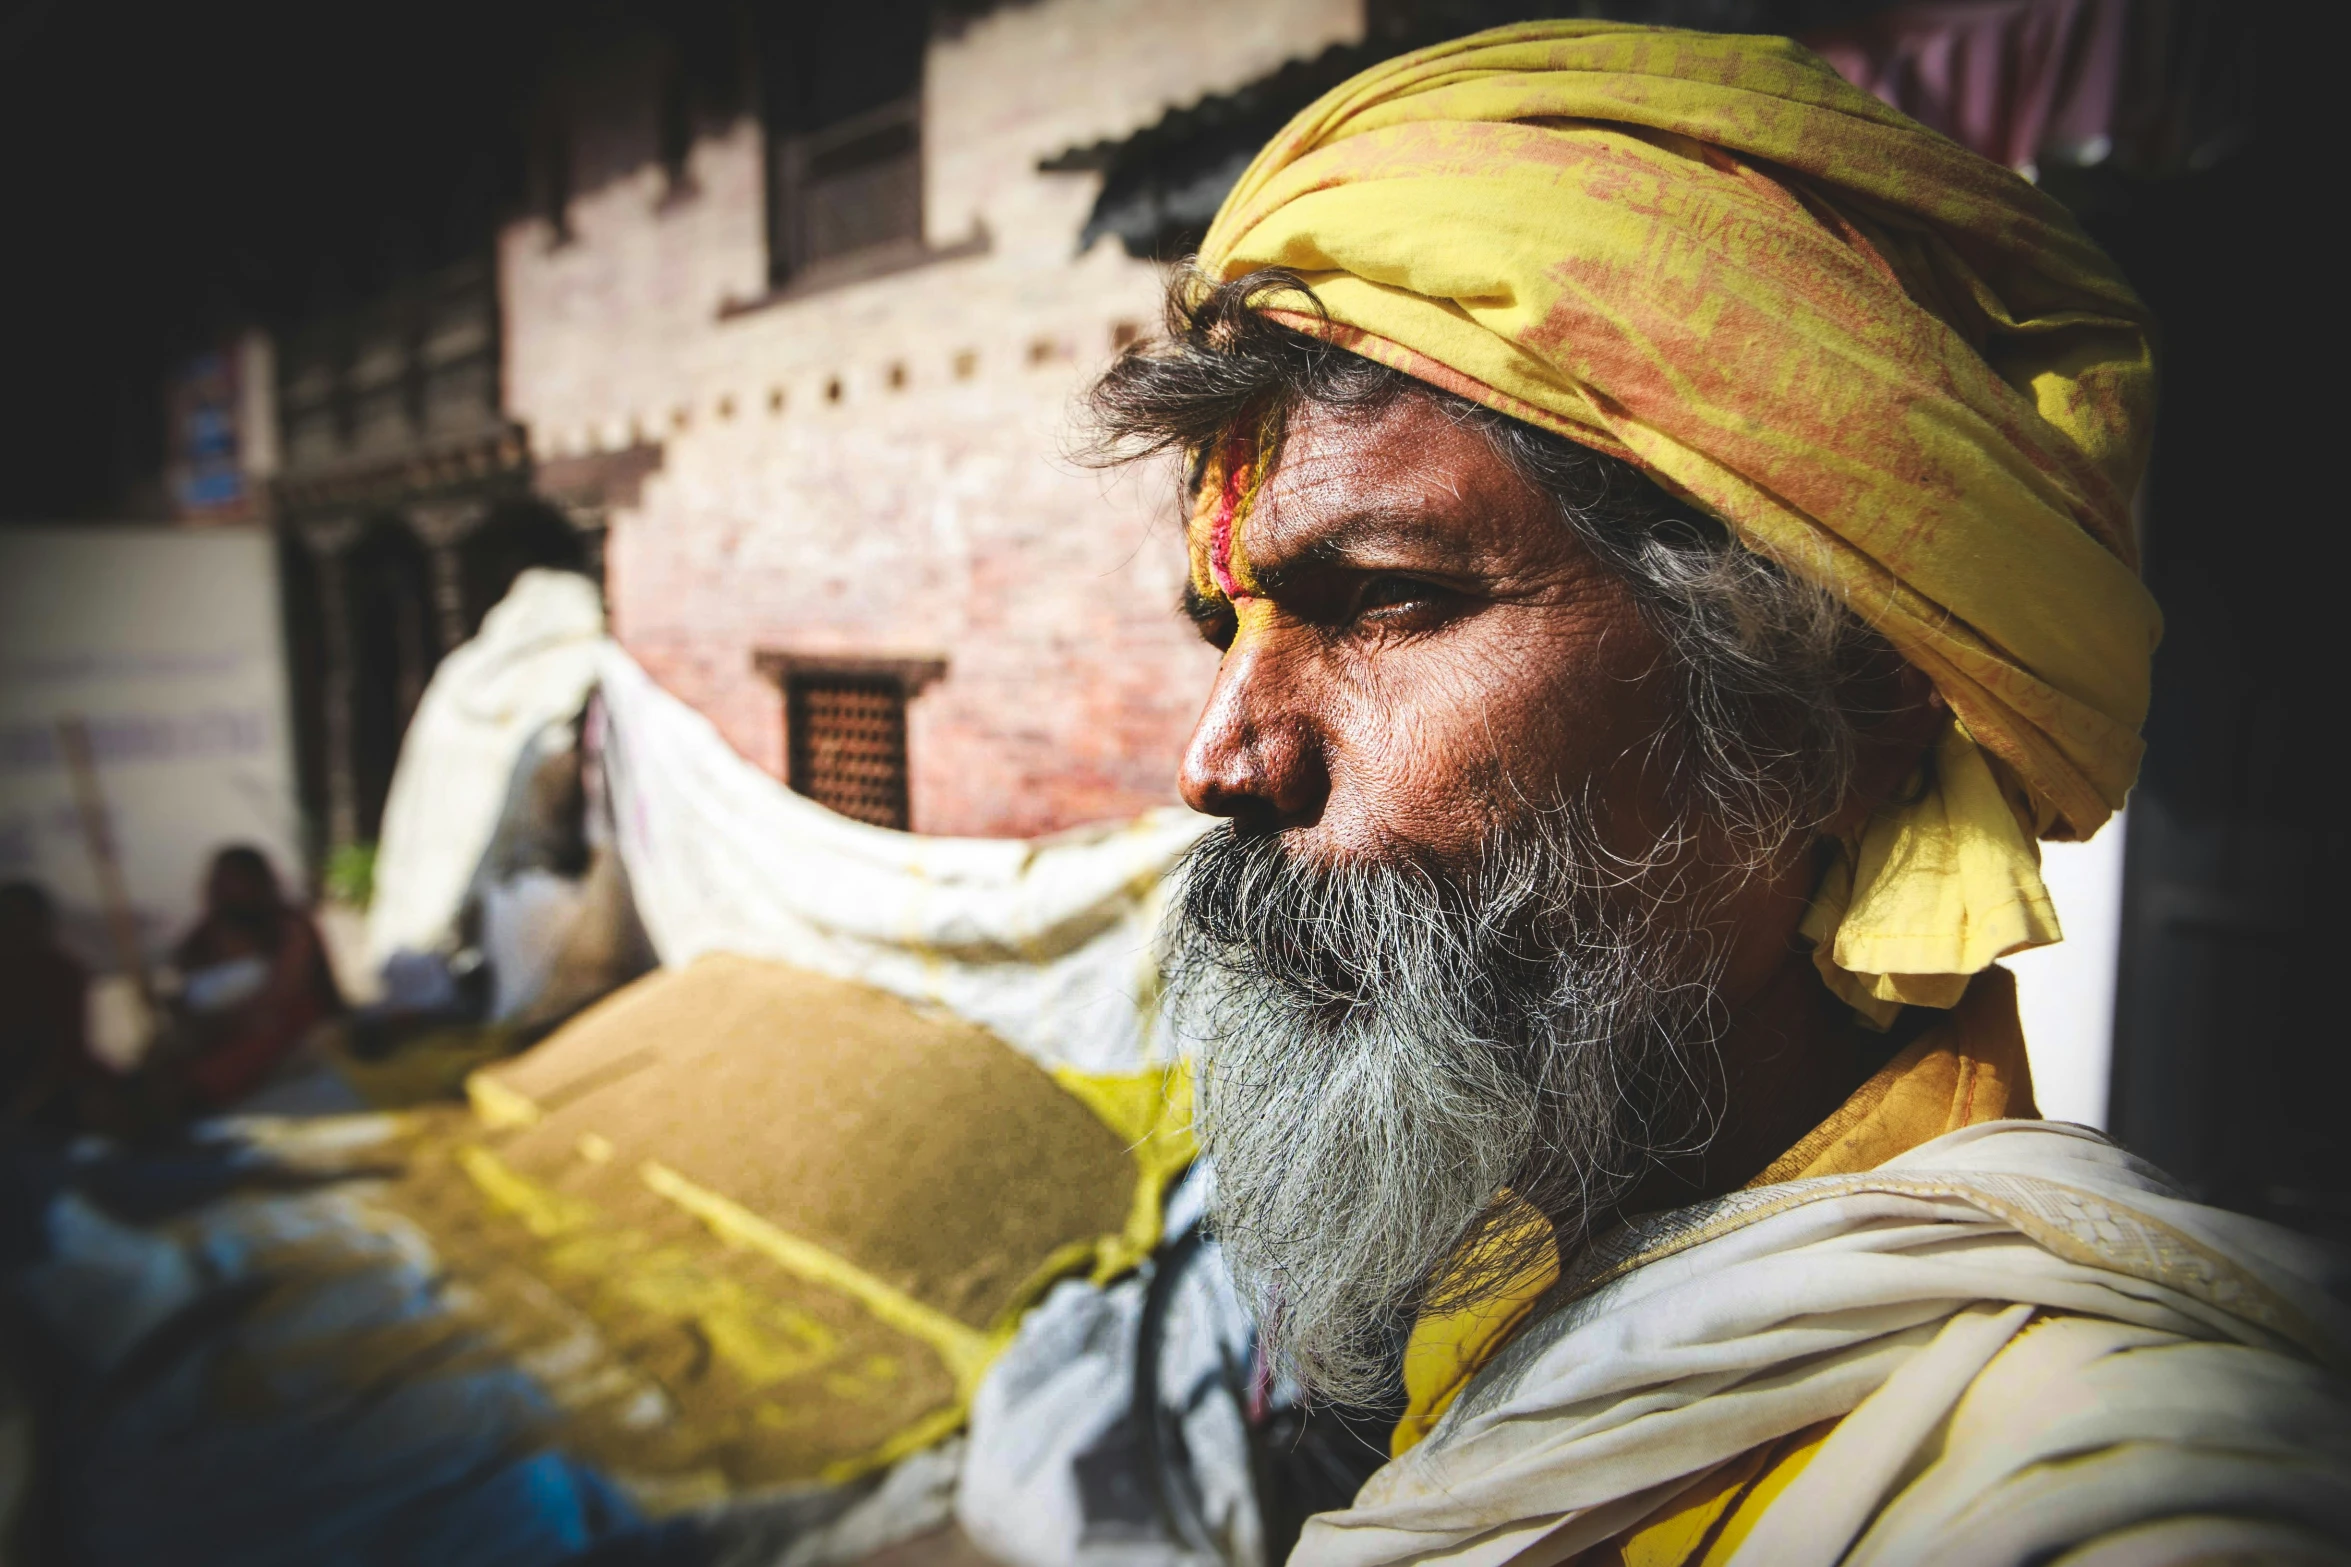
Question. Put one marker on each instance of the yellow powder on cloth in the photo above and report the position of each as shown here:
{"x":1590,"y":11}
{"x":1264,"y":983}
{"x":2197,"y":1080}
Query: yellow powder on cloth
{"x":753,"y":1225}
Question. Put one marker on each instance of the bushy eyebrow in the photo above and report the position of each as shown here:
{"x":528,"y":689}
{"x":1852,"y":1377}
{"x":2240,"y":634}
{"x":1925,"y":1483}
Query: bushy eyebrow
{"x":1350,"y":545}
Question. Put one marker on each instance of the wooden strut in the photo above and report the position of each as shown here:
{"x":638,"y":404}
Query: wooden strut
{"x":122,"y":925}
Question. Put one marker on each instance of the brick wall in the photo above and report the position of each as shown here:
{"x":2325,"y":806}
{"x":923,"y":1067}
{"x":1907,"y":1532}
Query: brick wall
{"x":880,"y":469}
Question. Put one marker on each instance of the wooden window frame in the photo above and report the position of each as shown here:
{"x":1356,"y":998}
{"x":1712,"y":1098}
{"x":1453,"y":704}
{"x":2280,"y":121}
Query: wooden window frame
{"x":796,"y":182}
{"x":793,"y":674}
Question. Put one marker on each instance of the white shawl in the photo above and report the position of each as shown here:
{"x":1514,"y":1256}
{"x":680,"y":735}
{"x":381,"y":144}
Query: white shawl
{"x":2179,"y":1390}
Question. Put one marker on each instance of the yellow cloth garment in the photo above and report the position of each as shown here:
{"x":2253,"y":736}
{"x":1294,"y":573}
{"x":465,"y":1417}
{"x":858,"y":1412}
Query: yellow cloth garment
{"x":1447,"y":1348}
{"x":1885,"y":363}
{"x":1706,"y":1525}
{"x":1967,"y":1069}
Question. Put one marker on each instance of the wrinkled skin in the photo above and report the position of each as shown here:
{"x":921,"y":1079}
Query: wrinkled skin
{"x":1431,"y":643}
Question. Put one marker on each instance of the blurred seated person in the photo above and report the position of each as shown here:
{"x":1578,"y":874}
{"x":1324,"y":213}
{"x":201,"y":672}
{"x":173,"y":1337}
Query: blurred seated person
{"x":45,"y":1063}
{"x":254,"y":980}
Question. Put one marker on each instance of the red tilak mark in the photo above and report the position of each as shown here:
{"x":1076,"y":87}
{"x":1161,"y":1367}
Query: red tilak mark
{"x":1220,"y":527}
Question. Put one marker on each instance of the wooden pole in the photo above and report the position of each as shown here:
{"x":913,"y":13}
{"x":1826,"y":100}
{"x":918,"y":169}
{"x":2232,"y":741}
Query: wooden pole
{"x":122,"y":924}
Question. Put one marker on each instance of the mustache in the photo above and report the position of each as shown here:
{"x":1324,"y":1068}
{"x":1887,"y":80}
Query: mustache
{"x":1316,"y":932}
{"x":1338,"y":935}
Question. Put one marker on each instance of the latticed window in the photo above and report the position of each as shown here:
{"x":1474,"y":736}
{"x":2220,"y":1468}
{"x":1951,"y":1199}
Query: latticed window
{"x":848,"y":742}
{"x":845,"y":729}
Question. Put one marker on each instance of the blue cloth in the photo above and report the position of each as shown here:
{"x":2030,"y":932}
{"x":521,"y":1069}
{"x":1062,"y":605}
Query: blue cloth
{"x":206,"y":1403}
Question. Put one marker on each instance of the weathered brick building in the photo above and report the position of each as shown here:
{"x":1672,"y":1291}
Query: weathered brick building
{"x":819,"y":358}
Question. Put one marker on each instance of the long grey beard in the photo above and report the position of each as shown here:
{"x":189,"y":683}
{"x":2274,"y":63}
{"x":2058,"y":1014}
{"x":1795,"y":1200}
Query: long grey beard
{"x":1383,"y":1049}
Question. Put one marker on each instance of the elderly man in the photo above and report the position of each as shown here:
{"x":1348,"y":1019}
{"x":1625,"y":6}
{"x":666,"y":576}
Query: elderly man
{"x":1667,"y":521}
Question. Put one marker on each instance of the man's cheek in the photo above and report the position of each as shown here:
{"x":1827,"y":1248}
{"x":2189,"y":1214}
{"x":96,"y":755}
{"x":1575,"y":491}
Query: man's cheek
{"x":1408,"y":774}
{"x":1469,"y":752}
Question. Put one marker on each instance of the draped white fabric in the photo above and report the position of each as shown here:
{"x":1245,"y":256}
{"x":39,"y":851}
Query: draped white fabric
{"x":529,"y":666}
{"x":1046,"y":941}
{"x":2037,"y":1346}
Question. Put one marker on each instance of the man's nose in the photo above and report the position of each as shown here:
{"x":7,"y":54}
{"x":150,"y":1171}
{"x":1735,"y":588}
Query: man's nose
{"x":1255,"y":755}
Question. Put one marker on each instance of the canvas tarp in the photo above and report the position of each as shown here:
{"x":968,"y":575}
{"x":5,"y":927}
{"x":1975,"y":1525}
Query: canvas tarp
{"x":1046,"y":942}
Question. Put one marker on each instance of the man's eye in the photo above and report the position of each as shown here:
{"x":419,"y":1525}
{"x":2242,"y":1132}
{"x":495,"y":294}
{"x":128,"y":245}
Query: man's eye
{"x":1213,"y":618}
{"x":1394,"y":593}
{"x":1217,"y":626}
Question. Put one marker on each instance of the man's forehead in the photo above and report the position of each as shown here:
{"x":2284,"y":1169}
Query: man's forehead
{"x":1370,"y":484}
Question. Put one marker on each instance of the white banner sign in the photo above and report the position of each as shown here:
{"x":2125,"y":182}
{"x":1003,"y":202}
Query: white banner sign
{"x":164,"y":644}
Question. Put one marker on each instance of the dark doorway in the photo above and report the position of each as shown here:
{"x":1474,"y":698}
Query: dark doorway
{"x":300,"y":594}
{"x":2229,"y":1066}
{"x":389,"y":579}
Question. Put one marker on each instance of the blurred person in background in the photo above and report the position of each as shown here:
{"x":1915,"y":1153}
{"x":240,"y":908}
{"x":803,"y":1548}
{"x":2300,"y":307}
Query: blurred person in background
{"x":46,"y":1068}
{"x":1666,"y":520}
{"x":254,"y":981}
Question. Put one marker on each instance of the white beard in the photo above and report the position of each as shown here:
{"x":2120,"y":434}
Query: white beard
{"x":1382,"y":1051}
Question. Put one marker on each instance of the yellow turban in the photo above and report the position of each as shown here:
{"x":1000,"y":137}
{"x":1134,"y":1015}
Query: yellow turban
{"x":1887,"y":364}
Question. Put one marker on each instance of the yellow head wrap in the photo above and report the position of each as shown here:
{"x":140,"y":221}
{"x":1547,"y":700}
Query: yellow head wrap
{"x":1887,"y":364}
